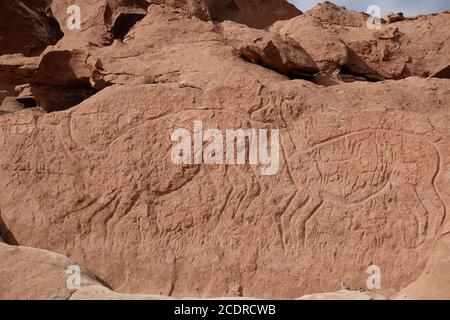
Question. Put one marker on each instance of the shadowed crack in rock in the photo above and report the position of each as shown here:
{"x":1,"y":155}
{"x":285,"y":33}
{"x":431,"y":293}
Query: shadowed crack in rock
{"x":6,"y":233}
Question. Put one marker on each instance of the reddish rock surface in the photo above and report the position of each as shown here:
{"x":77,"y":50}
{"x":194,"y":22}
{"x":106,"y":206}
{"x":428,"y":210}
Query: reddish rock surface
{"x":27,"y":27}
{"x":274,"y":51}
{"x":340,"y":42}
{"x":253,"y":13}
{"x":431,"y":283}
{"x":3,"y":95}
{"x":86,"y":169}
{"x":36,"y":274}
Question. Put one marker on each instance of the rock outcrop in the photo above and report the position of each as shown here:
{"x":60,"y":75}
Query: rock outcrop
{"x":253,"y":13}
{"x":274,"y":51}
{"x":341,"y":43}
{"x":429,"y":286}
{"x":103,"y":21}
{"x":28,"y":27}
{"x":86,"y":168}
{"x":34,"y":274}
{"x":394,"y":17}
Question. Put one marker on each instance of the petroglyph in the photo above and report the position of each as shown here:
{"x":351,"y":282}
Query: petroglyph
{"x":352,"y":187}
{"x":354,"y":168}
{"x":346,"y":170}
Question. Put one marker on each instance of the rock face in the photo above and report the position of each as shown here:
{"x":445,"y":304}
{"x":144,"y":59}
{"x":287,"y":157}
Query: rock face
{"x":36,"y":274}
{"x":341,"y":43}
{"x":253,"y":13}
{"x":271,"y":50}
{"x":3,"y":95}
{"x":103,"y":21}
{"x":429,"y":285}
{"x":87,"y":170}
{"x":28,"y":27}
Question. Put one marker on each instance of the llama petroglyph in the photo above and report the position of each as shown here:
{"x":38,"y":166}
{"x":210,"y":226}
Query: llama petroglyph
{"x":345,"y":170}
{"x":356,"y":167}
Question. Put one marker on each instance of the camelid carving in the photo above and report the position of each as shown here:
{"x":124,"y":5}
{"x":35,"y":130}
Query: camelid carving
{"x":356,"y":167}
{"x":345,"y":170}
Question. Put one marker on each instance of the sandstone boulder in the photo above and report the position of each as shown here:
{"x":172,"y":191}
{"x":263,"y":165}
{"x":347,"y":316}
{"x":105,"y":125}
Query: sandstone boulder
{"x":340,"y":42}
{"x":10,"y":105}
{"x":29,"y":273}
{"x":194,"y":48}
{"x":394,"y":17}
{"x":255,"y":14}
{"x":52,"y":98}
{"x":271,"y":50}
{"x":429,"y":286}
{"x":17,"y":69}
{"x":102,"y":21}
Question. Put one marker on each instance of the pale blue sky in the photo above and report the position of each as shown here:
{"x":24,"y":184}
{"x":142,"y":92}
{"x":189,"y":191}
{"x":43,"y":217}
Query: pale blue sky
{"x":408,"y":7}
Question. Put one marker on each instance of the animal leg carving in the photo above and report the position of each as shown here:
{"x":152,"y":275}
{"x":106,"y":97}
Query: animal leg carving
{"x":435,"y":209}
{"x":301,"y":217}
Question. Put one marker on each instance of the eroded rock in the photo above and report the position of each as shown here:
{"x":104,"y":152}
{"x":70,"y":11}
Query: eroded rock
{"x":29,"y":273}
{"x":271,"y":50}
{"x":255,"y":14}
{"x":28,"y":27}
{"x":362,"y":176}
{"x":429,"y":286}
{"x":102,"y":21}
{"x":121,"y":184}
{"x":394,"y":17}
{"x":338,"y":38}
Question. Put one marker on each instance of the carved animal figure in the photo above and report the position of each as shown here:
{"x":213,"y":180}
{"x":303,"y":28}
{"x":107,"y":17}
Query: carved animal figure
{"x":355,"y":167}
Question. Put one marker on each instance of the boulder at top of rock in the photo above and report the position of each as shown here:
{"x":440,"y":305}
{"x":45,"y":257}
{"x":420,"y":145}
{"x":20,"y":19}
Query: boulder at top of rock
{"x":272,"y":50}
{"x":10,"y":105}
{"x":253,"y":13}
{"x":394,"y":17}
{"x":102,"y":21}
{"x":66,"y":67}
{"x":340,"y":42}
{"x":330,"y":14}
{"x":194,"y":55}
